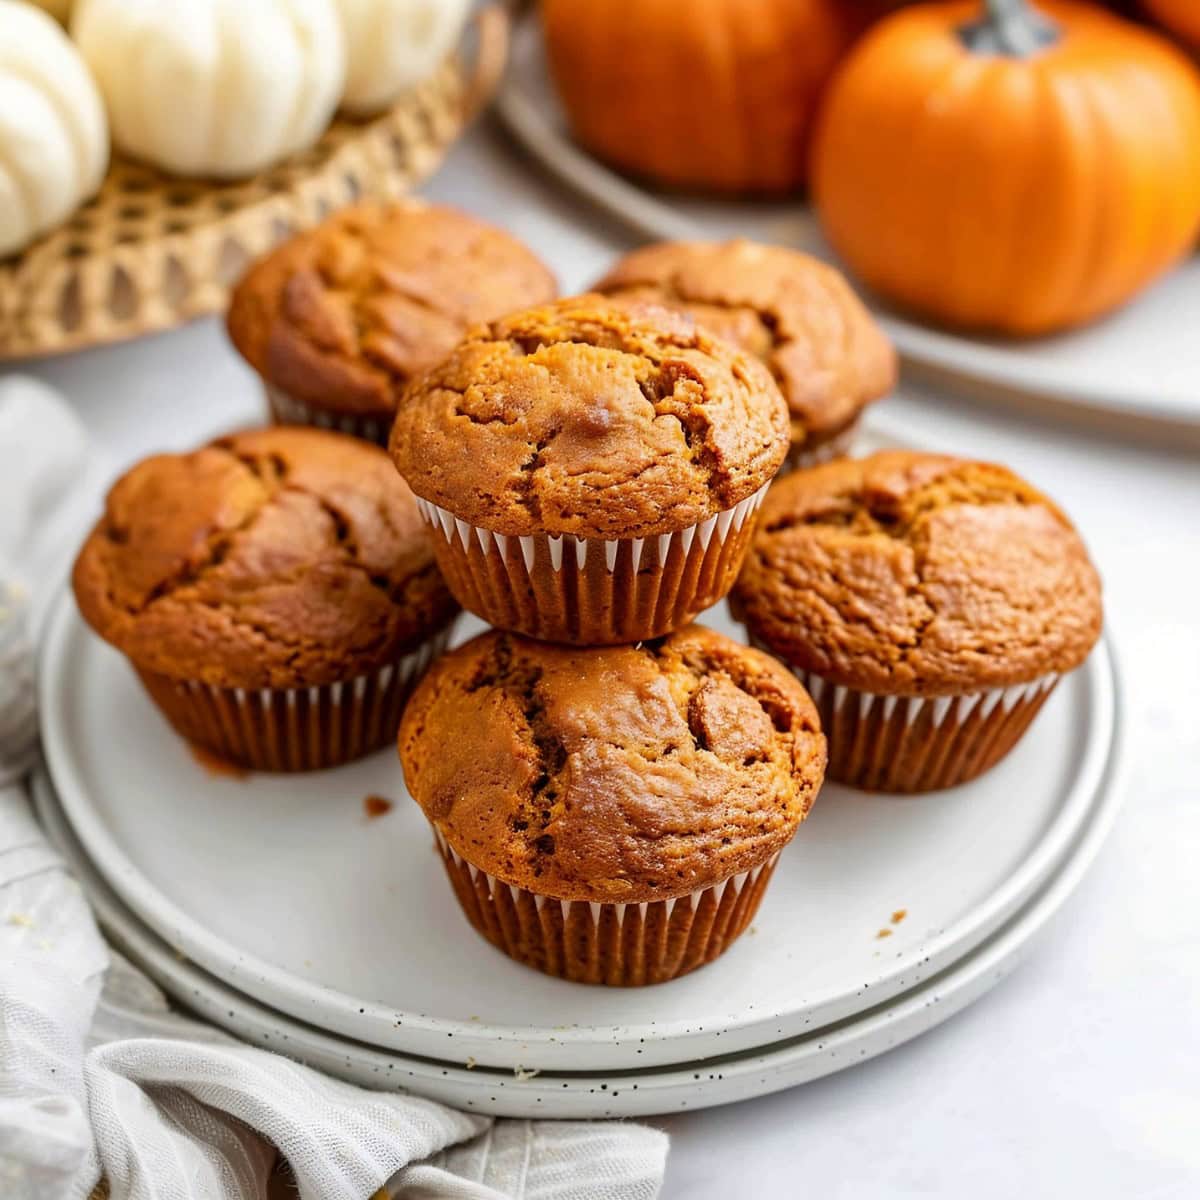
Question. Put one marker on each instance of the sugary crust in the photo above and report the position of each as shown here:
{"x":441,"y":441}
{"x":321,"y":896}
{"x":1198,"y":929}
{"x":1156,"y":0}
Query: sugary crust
{"x":586,"y":418}
{"x":795,"y":313}
{"x":278,"y":558}
{"x":623,"y":774}
{"x":916,"y":574}
{"x":342,"y":316}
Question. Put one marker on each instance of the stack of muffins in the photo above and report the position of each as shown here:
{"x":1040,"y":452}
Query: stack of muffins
{"x":609,"y":785}
{"x":610,"y":800}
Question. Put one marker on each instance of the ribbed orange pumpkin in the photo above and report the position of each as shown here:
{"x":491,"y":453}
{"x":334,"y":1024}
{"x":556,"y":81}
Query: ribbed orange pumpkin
{"x":715,"y":95}
{"x":1181,"y":17}
{"x":1010,"y":169}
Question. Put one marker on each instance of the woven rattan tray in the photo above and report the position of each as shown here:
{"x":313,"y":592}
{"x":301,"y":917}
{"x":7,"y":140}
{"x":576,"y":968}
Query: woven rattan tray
{"x":149,"y":252}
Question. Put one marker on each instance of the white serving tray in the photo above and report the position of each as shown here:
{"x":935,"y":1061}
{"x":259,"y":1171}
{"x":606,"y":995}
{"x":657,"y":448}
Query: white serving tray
{"x":1142,"y":363}
{"x":281,"y":887}
{"x":720,"y":1080}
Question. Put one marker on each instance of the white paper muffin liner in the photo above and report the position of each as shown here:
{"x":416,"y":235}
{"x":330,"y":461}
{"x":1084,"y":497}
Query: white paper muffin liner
{"x":592,"y":591}
{"x":890,"y":743}
{"x":295,"y":729}
{"x":287,"y":410}
{"x":621,"y":945}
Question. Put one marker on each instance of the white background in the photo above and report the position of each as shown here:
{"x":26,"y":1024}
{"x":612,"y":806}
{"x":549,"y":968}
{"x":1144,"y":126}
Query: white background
{"x":1080,"y":1075}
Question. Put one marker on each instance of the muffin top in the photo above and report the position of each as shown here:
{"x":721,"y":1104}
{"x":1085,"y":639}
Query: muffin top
{"x":790,"y":310}
{"x":344,"y":315}
{"x":629,"y":773}
{"x":918,"y":574}
{"x":589,"y":419}
{"x":276,"y":558}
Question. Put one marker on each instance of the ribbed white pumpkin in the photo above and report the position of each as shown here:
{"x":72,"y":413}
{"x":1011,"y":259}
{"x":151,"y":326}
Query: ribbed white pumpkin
{"x":219,"y":88}
{"x":393,"y":44}
{"x":53,"y":136}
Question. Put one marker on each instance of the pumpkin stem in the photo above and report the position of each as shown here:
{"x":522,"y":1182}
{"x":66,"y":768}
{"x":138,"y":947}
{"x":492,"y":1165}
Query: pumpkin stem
{"x":1010,"y":27}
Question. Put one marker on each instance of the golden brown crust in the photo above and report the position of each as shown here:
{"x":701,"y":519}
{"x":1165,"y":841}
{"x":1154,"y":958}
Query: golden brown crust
{"x":589,"y":419}
{"x":795,"y":313}
{"x":916,"y":574}
{"x":629,"y":773}
{"x":342,"y":316}
{"x":275,"y":558}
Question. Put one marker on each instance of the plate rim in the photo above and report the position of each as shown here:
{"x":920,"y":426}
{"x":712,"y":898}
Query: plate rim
{"x":639,"y":209}
{"x":782,"y":1065}
{"x":417,"y":1033}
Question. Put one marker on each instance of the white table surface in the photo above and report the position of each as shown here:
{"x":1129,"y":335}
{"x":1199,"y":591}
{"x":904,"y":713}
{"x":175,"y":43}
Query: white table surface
{"x":1080,"y":1075}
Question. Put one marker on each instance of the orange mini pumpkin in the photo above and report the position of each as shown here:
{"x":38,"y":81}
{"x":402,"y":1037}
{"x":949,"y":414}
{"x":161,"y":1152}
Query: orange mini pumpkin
{"x":717,"y":95}
{"x":1000,"y":167}
{"x":1180,"y":17}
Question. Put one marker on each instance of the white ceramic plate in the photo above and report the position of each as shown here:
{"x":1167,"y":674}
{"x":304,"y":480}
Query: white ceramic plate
{"x":613,"y":1094}
{"x":281,"y":886}
{"x":1143,"y":362}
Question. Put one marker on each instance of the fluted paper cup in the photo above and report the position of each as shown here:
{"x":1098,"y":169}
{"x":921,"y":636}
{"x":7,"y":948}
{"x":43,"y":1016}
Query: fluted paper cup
{"x":622,"y":945}
{"x":592,"y":591}
{"x":294,"y":729}
{"x":287,"y":410}
{"x":920,"y":743}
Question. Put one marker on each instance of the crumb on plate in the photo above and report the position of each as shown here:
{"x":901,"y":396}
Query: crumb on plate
{"x":376,"y":806}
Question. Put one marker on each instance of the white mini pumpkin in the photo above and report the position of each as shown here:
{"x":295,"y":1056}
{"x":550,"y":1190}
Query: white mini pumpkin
{"x":53,"y":136}
{"x":220,"y":88}
{"x":393,"y":44}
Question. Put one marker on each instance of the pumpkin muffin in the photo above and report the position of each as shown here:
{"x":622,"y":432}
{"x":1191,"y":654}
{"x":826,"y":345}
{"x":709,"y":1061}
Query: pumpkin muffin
{"x":338,"y":319}
{"x":591,"y":471}
{"x":611,"y":815}
{"x":275,"y":591}
{"x":929,"y":604}
{"x":795,"y":313}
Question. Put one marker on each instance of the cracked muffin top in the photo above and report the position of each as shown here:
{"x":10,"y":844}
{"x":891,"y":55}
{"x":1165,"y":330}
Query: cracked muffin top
{"x":344,"y":315}
{"x":589,"y":419}
{"x":917,"y":574}
{"x":275,"y":558}
{"x":795,"y":313}
{"x":618,"y":774}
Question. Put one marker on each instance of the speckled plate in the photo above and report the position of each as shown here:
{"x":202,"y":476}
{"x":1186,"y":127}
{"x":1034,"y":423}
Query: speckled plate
{"x":1139,"y":366}
{"x":517,"y":1093}
{"x":283,"y":887}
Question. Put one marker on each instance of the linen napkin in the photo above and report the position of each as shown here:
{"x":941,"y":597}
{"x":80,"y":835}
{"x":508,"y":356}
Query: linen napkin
{"x":100,"y":1078}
